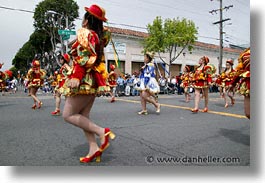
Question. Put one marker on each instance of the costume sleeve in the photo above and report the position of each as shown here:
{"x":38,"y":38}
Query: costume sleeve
{"x":209,"y":78}
{"x":84,"y":52}
{"x":29,"y":74}
{"x":42,"y":73}
{"x":208,"y":73}
{"x":86,"y":49}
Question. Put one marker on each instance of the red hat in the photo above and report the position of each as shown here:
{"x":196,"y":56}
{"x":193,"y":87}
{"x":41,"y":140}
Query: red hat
{"x":36,"y":63}
{"x":231,"y":62}
{"x":8,"y":74}
{"x":97,"y":11}
{"x":187,"y":68}
{"x":66,"y":57}
{"x":112,"y":67}
{"x":205,"y":59}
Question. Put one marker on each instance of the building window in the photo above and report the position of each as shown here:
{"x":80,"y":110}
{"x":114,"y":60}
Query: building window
{"x":136,"y":66}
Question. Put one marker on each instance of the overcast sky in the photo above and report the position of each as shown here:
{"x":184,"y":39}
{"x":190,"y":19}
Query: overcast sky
{"x":17,"y":26}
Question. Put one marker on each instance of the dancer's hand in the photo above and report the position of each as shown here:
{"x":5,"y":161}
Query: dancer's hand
{"x":73,"y":83}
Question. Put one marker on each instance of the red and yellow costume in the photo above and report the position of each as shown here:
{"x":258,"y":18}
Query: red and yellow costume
{"x":3,"y":77}
{"x":2,"y":80}
{"x":242,"y":76}
{"x":112,"y":77}
{"x":92,"y":76}
{"x":218,"y":80}
{"x":35,"y":75}
{"x":61,"y":78}
{"x":186,"y":78}
{"x":226,"y":78}
{"x":203,"y":76}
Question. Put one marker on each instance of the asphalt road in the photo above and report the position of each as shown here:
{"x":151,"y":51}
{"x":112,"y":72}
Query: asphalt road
{"x":176,"y":137}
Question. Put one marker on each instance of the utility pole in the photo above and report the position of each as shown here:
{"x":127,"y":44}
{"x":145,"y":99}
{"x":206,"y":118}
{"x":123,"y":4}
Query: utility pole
{"x":220,"y":22}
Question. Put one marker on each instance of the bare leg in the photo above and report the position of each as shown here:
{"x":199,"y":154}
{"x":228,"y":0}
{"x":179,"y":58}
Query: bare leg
{"x":247,"y":106}
{"x":230,"y":94}
{"x":93,"y":146}
{"x":33,"y":91}
{"x":225,"y":98}
{"x":74,"y":106}
{"x":197,"y":98}
{"x":206,"y":91}
{"x":146,"y":96}
{"x":187,"y":96}
{"x":112,"y":94}
{"x":143,"y":101}
{"x":57,"y":101}
{"x":221,"y":91}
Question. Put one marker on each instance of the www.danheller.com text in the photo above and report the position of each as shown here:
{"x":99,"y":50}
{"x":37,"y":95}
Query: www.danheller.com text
{"x":192,"y":160}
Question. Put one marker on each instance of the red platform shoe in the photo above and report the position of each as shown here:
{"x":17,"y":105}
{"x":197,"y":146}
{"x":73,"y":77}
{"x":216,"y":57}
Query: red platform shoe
{"x":88,"y":159}
{"x":56,"y":112}
{"x":39,"y":104}
{"x":112,"y":100}
{"x":108,"y":134}
{"x":34,"y":106}
{"x":205,"y":109}
{"x":195,"y":110}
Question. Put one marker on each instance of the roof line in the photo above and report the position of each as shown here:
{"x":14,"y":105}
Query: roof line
{"x":140,"y":34}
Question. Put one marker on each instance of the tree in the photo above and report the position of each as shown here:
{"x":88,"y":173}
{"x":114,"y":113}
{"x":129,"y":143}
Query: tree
{"x":24,"y":56}
{"x":172,"y":36}
{"x":49,"y":16}
{"x":37,"y":43}
{"x":52,"y":15}
{"x":40,"y":41}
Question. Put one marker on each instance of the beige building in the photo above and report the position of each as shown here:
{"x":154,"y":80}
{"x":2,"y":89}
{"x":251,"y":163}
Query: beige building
{"x":128,"y":44}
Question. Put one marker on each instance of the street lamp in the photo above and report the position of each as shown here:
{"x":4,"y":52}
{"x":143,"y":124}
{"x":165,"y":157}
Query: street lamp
{"x":66,"y":27}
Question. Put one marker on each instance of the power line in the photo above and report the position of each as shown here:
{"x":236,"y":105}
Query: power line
{"x":111,"y":23}
{"x":14,"y":9}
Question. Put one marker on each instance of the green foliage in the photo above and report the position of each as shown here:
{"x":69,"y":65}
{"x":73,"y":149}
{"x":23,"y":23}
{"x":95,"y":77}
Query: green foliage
{"x":45,"y":36}
{"x":24,"y":56}
{"x":40,"y":41}
{"x":67,"y":8}
{"x":171,"y":36}
{"x":156,"y":36}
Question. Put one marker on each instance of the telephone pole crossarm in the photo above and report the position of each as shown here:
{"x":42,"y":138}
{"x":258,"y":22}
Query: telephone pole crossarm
{"x":221,"y":21}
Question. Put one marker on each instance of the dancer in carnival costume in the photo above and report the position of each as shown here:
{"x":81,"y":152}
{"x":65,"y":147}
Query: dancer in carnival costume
{"x":112,"y":82}
{"x":148,"y":84}
{"x":60,"y":80}
{"x":220,"y":85}
{"x":53,"y":79}
{"x":186,"y":77}
{"x":226,"y":78}
{"x":86,"y":79}
{"x":2,"y":79}
{"x":242,"y":79}
{"x":35,"y":77}
{"x":202,"y":78}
